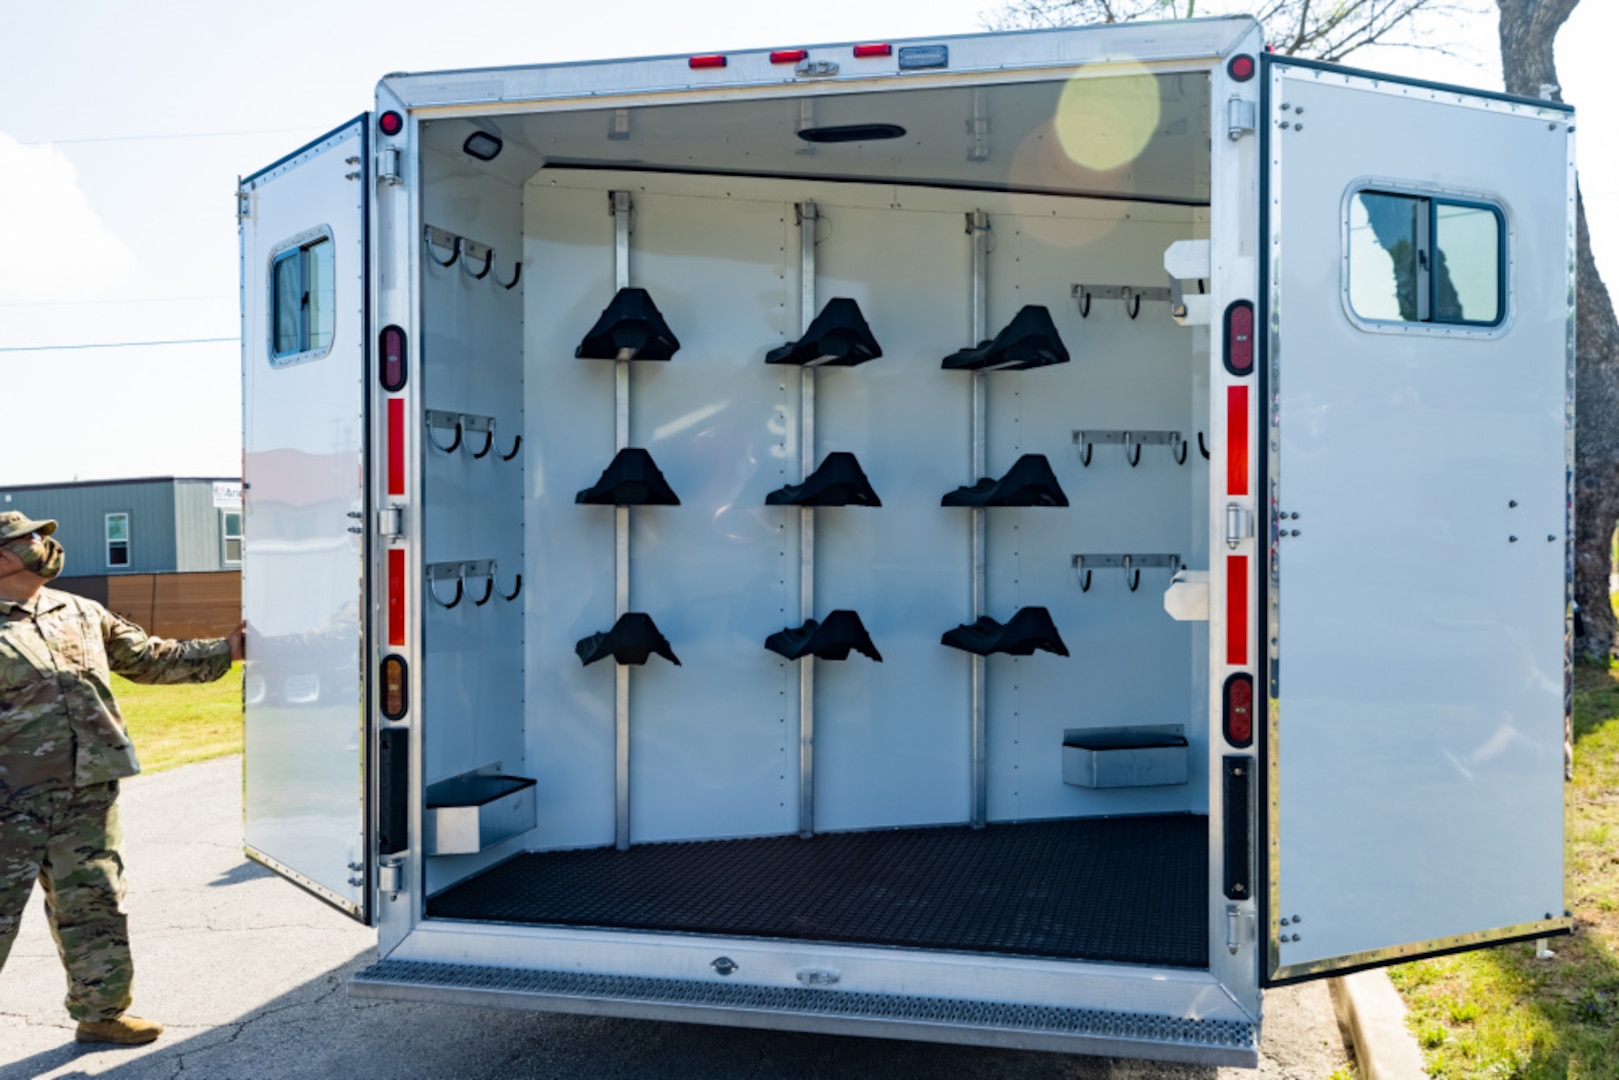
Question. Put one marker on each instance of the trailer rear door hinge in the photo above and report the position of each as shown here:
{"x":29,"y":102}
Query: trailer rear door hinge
{"x":391,"y":522}
{"x":1239,"y":928}
{"x":388,"y":874}
{"x":1240,"y":118}
{"x":388,"y":166}
{"x":244,"y":205}
{"x":1239,"y":524}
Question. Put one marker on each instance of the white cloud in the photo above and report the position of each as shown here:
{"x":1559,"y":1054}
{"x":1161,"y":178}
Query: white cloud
{"x":57,"y":245}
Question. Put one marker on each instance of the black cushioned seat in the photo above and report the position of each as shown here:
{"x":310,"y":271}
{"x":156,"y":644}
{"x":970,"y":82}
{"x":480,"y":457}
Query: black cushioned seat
{"x":1029,"y":629}
{"x":1029,"y":482}
{"x":1030,"y":340}
{"x":840,"y":481}
{"x":632,"y":640}
{"x":633,"y":479}
{"x":631,"y":328}
{"x":829,"y":640}
{"x":837,"y":337}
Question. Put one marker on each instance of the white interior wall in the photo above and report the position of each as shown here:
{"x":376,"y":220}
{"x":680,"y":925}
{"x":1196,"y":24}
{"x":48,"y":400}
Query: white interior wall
{"x":714,"y":741}
{"x":472,"y":361}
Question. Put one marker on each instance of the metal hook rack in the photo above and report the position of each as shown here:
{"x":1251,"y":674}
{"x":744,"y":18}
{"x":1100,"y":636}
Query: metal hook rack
{"x":460,"y":572}
{"x":1202,"y":447}
{"x":1132,"y":565}
{"x":1132,"y":295}
{"x":468,"y":253}
{"x":466,"y":424}
{"x":1132,"y":441}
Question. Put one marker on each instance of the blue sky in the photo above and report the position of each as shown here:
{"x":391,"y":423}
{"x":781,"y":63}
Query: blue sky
{"x":122,"y":133}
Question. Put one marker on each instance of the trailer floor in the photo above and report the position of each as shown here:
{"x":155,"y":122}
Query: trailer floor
{"x":1130,"y":890}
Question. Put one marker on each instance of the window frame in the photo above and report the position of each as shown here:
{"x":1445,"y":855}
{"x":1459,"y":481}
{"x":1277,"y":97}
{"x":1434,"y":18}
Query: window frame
{"x":294,"y":247}
{"x":107,"y":541}
{"x":1434,"y":196}
{"x":226,"y":536}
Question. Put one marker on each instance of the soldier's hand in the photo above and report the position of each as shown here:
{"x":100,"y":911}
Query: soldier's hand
{"x":238,"y":641}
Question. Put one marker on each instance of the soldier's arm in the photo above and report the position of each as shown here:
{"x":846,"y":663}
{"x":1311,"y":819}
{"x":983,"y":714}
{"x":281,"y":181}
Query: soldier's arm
{"x":140,"y":657}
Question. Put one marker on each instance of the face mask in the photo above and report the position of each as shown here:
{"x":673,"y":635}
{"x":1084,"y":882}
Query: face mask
{"x":43,"y":557}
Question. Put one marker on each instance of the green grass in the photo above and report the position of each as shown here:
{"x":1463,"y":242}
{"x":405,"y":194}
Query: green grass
{"x":1500,"y":1013}
{"x":182,"y":723}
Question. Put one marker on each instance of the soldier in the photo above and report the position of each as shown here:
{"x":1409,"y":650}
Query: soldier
{"x":63,"y":749}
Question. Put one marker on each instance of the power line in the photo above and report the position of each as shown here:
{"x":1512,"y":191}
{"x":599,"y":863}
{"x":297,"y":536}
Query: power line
{"x":117,"y":344}
{"x":155,"y":138}
{"x":134,"y":300}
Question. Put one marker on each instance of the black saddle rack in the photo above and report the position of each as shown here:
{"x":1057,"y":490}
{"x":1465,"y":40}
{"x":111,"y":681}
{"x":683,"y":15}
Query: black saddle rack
{"x":1029,"y":629}
{"x":837,"y":337}
{"x":632,"y":640}
{"x":633,"y":479}
{"x":1030,"y":340}
{"x":631,"y":328}
{"x":829,"y":640}
{"x":839,"y":481}
{"x":1029,"y":482}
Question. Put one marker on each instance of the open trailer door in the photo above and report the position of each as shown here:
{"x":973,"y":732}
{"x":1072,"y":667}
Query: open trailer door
{"x":304,"y":291}
{"x":1420,"y":290}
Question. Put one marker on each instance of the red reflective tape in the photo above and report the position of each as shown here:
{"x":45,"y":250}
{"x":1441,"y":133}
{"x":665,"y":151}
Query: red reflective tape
{"x":1236,"y":609}
{"x":396,"y":446}
{"x":396,"y":596}
{"x":867,"y":51}
{"x":789,"y":56}
{"x":1236,"y":440}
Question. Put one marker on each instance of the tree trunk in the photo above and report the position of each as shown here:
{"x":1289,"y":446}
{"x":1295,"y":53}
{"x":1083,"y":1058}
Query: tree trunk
{"x":1528,"y":32}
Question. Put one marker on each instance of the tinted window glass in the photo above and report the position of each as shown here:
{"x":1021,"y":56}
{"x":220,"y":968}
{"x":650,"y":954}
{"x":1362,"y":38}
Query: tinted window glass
{"x":1467,"y":263}
{"x":288,"y":315}
{"x":1383,"y":256}
{"x":319,"y":294}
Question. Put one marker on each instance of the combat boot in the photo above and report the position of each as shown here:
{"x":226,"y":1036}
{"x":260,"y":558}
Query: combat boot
{"x":123,"y":1030}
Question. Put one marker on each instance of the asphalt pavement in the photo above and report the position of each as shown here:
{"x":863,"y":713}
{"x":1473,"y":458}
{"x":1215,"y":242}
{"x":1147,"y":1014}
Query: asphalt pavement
{"x":249,"y":974}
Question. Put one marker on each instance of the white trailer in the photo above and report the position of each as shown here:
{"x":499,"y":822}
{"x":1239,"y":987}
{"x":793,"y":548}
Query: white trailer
{"x":1107,"y":490}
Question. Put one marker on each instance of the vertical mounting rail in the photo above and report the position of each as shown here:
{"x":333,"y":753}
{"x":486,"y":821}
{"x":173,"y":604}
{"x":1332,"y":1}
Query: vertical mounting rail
{"x":978,"y":225}
{"x":807,"y":217}
{"x":621,"y":540}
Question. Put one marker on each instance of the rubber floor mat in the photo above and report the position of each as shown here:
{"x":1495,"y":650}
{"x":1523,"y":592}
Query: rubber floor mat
{"x":1130,"y":890}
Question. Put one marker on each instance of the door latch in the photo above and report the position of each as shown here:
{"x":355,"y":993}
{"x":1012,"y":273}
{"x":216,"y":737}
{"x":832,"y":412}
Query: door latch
{"x":1239,"y":524}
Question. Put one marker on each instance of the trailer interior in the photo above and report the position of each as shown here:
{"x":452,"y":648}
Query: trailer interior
{"x":1095,"y":492}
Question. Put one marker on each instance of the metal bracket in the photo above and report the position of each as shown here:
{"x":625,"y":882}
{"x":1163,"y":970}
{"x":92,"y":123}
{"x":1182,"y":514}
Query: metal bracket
{"x":391,"y":522}
{"x":482,"y":425}
{"x":815,"y":69}
{"x":438,"y":418}
{"x":244,"y":205}
{"x":1132,"y":441}
{"x":434,"y":237}
{"x":1132,"y":565}
{"x":1132,"y":295}
{"x":471,"y":252}
{"x":388,"y":166}
{"x":1241,"y":116}
{"x":446,"y":571}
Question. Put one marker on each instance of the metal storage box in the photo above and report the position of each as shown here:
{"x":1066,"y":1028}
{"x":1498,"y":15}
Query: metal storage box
{"x":467,"y":814}
{"x":1124,"y":756}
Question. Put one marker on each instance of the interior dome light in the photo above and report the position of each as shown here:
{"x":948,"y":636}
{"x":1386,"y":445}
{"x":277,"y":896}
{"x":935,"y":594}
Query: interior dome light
{"x":482,"y":145}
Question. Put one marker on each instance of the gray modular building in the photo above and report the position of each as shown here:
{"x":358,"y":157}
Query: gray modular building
{"x":150,"y":525}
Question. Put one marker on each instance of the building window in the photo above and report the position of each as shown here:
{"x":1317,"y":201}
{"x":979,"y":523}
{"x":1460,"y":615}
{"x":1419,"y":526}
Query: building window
{"x":303,"y":299}
{"x":230,"y":531}
{"x":1421,"y":259}
{"x":117,"y":540}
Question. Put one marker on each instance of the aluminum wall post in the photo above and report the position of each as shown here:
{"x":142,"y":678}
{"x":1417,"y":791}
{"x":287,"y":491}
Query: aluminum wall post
{"x":807,"y":217}
{"x":621,"y":540}
{"x":978,"y":227}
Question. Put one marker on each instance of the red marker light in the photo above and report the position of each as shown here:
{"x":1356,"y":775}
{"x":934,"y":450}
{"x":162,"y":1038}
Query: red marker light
{"x":394,"y":693}
{"x":712,"y":60}
{"x":789,"y":56}
{"x":1239,"y":709}
{"x":862,"y":52}
{"x":390,"y":123}
{"x":1241,"y":67}
{"x":1239,"y":338}
{"x":392,"y":345}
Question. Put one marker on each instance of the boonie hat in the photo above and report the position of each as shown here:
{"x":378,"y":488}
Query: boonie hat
{"x":14,"y":524}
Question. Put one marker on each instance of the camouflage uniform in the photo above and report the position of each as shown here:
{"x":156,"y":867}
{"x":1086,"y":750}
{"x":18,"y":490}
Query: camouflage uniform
{"x":62,"y":752}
